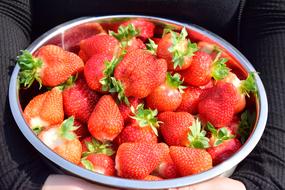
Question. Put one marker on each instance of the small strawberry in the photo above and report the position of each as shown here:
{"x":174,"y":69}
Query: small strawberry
{"x":203,"y":68}
{"x":126,"y":110}
{"x":99,"y":43}
{"x":176,"y":49}
{"x":79,"y":100}
{"x":50,"y":66}
{"x":167,"y":96}
{"x":106,"y":121}
{"x":90,"y":146}
{"x":190,"y":100}
{"x":143,"y":128}
{"x":145,"y":28}
{"x":136,"y":160}
{"x":244,"y":88}
{"x":62,"y":140}
{"x":190,"y":161}
{"x":217,"y":104}
{"x":99,"y":163}
{"x":138,"y":74}
{"x":82,"y":130}
{"x":152,"y":178}
{"x":45,"y":110}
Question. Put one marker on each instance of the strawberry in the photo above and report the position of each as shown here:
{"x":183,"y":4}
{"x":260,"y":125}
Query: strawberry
{"x":166,"y":168}
{"x":79,"y":100}
{"x":224,"y":150}
{"x":244,"y":88}
{"x":152,"y":178}
{"x":138,"y":74}
{"x":99,"y":43}
{"x":190,"y":100}
{"x":99,"y":163}
{"x":106,"y":121}
{"x":90,"y":146}
{"x":167,"y":96}
{"x":44,"y":110}
{"x":62,"y":140}
{"x":143,"y":127}
{"x":82,"y":130}
{"x":217,"y":104}
{"x":126,"y":110}
{"x":136,"y":160}
{"x":176,"y":49}
{"x":145,"y":28}
{"x":175,"y":127}
{"x":203,"y":68}
{"x":50,"y":66}
{"x":190,"y":161}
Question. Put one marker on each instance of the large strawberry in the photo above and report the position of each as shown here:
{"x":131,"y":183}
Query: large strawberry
{"x":167,"y":96}
{"x":190,"y":100}
{"x":139,"y":73}
{"x":190,"y":161}
{"x":50,"y":66}
{"x":176,"y":49}
{"x":203,"y":68}
{"x":106,"y":121}
{"x":62,"y":140}
{"x":79,"y":100}
{"x":44,"y":110}
{"x":143,"y":127}
{"x":137,"y":160}
{"x":217,"y":104}
{"x":145,"y":28}
{"x":99,"y":43}
{"x":99,"y":163}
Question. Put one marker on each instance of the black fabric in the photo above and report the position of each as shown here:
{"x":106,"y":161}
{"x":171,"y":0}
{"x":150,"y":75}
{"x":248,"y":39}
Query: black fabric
{"x":257,"y":25}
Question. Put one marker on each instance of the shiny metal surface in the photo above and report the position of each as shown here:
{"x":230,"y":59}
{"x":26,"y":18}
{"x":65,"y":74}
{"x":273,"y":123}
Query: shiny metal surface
{"x":61,"y":35}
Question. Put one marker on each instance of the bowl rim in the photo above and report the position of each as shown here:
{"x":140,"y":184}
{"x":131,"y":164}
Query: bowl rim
{"x":127,"y":183}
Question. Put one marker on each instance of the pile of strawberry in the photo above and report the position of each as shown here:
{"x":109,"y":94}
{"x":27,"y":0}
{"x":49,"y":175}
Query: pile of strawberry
{"x":133,"y":105}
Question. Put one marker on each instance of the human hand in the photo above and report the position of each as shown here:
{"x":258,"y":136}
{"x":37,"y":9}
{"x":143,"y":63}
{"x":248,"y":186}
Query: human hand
{"x":218,"y":183}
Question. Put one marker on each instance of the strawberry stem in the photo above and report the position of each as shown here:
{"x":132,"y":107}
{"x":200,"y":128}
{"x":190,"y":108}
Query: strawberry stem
{"x":248,"y":85}
{"x":125,"y":34}
{"x":220,"y":135}
{"x":197,"y":136}
{"x":118,"y":87}
{"x":151,"y":46}
{"x":29,"y":69}
{"x":68,"y":83}
{"x":98,"y":147}
{"x":67,"y":127}
{"x":87,"y":164}
{"x":219,"y":68}
{"x":174,"y":81}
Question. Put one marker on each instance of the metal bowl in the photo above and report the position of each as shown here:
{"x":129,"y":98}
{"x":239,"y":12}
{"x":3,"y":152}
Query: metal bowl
{"x":68,"y":35}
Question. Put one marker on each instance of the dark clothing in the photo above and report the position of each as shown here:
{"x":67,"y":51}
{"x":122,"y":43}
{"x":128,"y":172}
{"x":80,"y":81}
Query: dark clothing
{"x":257,"y":27}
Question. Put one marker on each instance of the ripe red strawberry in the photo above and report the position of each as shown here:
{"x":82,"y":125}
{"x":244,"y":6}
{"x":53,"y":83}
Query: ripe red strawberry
{"x":79,"y":100}
{"x":95,"y":70}
{"x":90,"y":146}
{"x":143,"y":127}
{"x":139,"y":73}
{"x":217,"y":104}
{"x":82,"y":130}
{"x":152,"y":178}
{"x":51,"y":65}
{"x":62,"y":140}
{"x":224,"y":150}
{"x":167,"y":96}
{"x":44,"y":110}
{"x":203,"y":68}
{"x":244,"y":88}
{"x":190,"y":161}
{"x":175,"y":127}
{"x":99,"y":163}
{"x":176,"y":49}
{"x":190,"y":100}
{"x":136,"y":160}
{"x":126,"y":110}
{"x":146,"y":29}
{"x":99,"y":43}
{"x":166,"y":168}
{"x":106,"y":121}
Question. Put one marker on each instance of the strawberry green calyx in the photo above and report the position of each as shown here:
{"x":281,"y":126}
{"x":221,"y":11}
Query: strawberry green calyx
{"x":37,"y":129}
{"x":178,"y":49}
{"x":68,"y":83}
{"x":197,"y":136}
{"x":125,"y":34}
{"x":97,"y":147}
{"x":87,"y":164}
{"x":29,"y":69}
{"x":66,"y":129}
{"x":146,"y":117}
{"x":174,"y":81}
{"x":219,"y":68}
{"x":220,"y":135}
{"x":246,"y":125}
{"x":117,"y":87}
{"x":151,"y":46}
{"x":109,"y":72}
{"x":248,"y":85}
